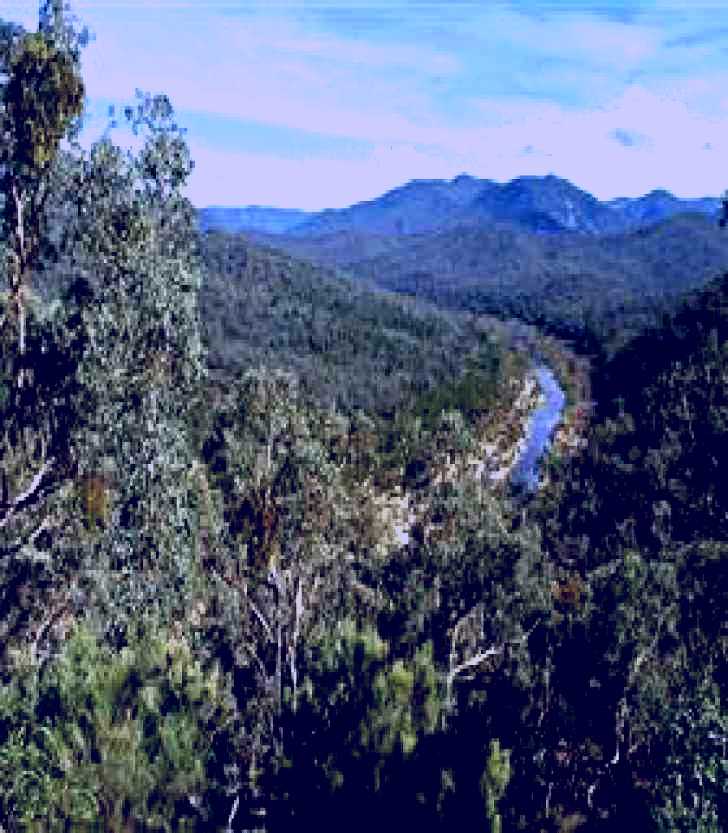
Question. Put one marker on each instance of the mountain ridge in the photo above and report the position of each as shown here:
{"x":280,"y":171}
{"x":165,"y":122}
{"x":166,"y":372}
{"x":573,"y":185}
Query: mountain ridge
{"x":542,"y":204}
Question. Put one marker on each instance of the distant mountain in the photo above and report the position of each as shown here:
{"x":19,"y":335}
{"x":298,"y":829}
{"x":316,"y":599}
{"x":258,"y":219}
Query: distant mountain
{"x":419,"y":206}
{"x":536,"y":248}
{"x":544,"y":204}
{"x":251,"y":218}
{"x":659,"y":205}
{"x":540,"y":204}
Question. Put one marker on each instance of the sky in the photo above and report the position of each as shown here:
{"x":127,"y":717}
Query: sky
{"x":322,"y":103}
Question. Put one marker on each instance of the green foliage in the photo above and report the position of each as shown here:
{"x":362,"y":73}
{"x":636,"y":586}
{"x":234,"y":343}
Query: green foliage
{"x":473,"y":394}
{"x":43,"y":95}
{"x":353,"y":739}
{"x":113,"y":737}
{"x":40,"y":102}
{"x":142,"y":358}
{"x":650,"y":646}
{"x":693,"y":787}
{"x":495,"y":779}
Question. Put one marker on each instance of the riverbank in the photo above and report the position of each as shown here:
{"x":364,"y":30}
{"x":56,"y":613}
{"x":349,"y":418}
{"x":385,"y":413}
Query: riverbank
{"x":497,"y":450}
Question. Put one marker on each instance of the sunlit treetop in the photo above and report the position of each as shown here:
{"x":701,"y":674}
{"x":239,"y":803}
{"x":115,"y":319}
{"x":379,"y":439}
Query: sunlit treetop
{"x":44,"y":94}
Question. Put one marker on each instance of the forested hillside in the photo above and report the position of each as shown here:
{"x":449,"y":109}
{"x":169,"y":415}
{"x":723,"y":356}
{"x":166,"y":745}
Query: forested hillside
{"x":596,"y":290}
{"x":351,"y":343}
{"x":203,"y":626}
{"x":636,"y":529}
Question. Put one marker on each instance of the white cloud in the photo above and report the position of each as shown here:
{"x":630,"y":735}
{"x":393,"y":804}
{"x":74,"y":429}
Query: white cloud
{"x":595,"y":41}
{"x":376,"y":57}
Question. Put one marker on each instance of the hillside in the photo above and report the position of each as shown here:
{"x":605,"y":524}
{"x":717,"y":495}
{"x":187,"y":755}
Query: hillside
{"x":660,"y":429}
{"x":597,"y":290}
{"x":637,"y":529}
{"x":352,"y":344}
{"x":660,"y":205}
{"x":383,"y":361}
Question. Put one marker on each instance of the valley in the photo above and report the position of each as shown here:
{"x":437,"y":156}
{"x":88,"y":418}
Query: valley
{"x":409,"y":514}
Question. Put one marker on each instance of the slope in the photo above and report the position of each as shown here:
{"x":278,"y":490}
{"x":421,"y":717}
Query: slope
{"x":597,"y":290}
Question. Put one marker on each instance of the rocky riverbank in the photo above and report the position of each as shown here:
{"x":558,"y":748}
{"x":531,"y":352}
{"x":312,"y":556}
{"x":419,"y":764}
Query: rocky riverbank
{"x":497,"y":451}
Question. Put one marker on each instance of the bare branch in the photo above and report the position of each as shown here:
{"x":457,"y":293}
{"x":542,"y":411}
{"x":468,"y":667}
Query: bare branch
{"x":25,"y":497}
{"x":476,"y":660}
{"x":259,"y":616}
{"x":294,"y":641}
{"x":233,"y":813}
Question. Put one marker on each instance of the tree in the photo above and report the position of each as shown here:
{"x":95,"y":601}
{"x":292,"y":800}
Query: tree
{"x":42,"y":98}
{"x":350,"y":756}
{"x":124,"y":340}
{"x":288,"y":525}
{"x":142,"y":364}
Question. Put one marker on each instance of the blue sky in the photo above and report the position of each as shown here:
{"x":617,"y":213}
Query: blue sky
{"x":316,"y":103}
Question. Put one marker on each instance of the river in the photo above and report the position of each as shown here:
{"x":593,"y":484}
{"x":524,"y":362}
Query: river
{"x":539,"y":431}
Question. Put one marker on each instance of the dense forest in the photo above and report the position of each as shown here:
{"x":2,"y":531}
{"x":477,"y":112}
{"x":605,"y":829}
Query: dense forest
{"x":203,"y":628}
{"x":595,"y":290}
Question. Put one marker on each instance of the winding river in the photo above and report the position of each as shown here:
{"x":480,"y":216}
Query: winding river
{"x":540,"y":428}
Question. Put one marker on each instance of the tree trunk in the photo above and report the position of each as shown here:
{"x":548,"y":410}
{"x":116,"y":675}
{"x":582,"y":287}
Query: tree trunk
{"x":18,"y":278}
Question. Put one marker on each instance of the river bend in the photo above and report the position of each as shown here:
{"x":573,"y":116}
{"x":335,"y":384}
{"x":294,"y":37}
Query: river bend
{"x":539,"y":430}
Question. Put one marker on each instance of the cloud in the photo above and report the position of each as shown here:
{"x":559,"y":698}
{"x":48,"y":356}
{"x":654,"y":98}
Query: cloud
{"x":312,"y":103}
{"x":700,"y":38}
{"x":578,"y":145}
{"x":619,"y":11}
{"x":265,"y":71}
{"x":377,"y":57}
{"x":568,"y":37}
{"x":628,"y":138}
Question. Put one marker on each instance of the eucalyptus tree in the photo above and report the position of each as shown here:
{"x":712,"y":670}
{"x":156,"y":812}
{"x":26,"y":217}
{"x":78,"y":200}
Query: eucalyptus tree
{"x":289,"y":525}
{"x":97,"y":496}
{"x":137,"y":281}
{"x":41,"y":96}
{"x":42,"y":99}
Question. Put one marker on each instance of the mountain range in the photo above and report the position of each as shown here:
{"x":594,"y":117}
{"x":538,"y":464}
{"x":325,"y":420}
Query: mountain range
{"x":547,"y":204}
{"x":535,"y":248}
